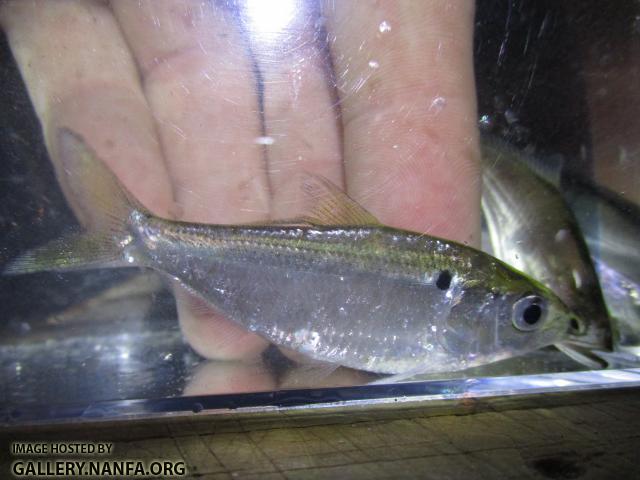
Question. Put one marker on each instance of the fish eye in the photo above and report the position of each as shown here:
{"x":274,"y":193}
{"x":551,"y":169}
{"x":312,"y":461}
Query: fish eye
{"x":528,"y":313}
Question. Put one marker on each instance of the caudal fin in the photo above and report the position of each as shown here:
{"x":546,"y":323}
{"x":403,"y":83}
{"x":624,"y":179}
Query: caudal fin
{"x":108,"y":205}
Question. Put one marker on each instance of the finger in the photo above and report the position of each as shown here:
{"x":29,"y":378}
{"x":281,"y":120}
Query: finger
{"x":301,"y":133}
{"x":308,"y":376}
{"x":201,"y":87}
{"x":217,"y":378}
{"x":405,"y":80}
{"x":212,"y":335}
{"x":80,"y":74}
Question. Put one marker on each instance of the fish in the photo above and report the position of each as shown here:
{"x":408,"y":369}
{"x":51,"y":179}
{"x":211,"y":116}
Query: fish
{"x":622,"y":295}
{"x":611,"y":226}
{"x":532,"y":228}
{"x":333,"y":284}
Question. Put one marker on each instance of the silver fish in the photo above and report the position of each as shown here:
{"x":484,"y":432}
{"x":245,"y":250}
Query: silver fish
{"x":611,"y":228}
{"x":336,"y":285}
{"x":532,"y":228}
{"x":612,"y":232}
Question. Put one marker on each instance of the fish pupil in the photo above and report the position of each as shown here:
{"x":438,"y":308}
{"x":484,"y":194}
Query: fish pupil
{"x":532,"y":314}
{"x":443,"y":281}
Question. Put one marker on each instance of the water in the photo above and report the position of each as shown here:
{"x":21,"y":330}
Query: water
{"x":221,"y":127}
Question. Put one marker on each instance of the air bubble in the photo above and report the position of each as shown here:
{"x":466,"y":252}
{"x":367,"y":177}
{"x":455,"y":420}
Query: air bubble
{"x":384,"y":26}
{"x":437,"y":105}
{"x":486,"y":122}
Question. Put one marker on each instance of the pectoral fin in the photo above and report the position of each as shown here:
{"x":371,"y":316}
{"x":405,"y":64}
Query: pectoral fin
{"x":582,"y":355}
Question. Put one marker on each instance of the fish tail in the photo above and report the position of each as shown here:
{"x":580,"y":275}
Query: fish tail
{"x":105,"y":205}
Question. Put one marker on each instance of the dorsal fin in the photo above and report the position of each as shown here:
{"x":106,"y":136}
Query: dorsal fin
{"x":328,"y":205}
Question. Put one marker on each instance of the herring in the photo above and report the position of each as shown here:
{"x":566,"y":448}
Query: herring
{"x":335,"y":285}
{"x":533,"y":229}
{"x":611,"y":227}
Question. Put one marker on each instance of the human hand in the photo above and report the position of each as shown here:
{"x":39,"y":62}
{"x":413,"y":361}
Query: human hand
{"x":205,"y":110}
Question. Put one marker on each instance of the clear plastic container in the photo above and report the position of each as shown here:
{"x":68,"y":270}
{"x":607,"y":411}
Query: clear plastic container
{"x":207,"y":111}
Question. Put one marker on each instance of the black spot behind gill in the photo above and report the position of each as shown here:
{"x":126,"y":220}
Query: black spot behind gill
{"x":444,"y":280}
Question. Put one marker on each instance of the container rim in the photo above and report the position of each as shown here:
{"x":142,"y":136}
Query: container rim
{"x":315,"y":399}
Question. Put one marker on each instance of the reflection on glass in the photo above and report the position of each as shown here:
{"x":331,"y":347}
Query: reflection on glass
{"x":270,"y":19}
